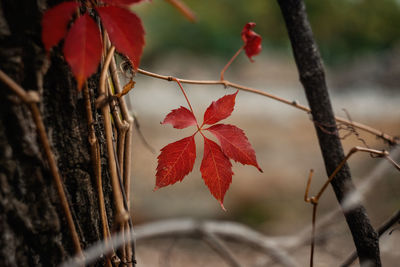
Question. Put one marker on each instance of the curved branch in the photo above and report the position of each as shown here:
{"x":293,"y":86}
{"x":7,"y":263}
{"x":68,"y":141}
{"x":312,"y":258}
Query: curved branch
{"x":235,"y":231}
{"x":392,"y":140}
{"x":219,"y":246}
{"x":189,"y":227}
{"x":121,"y":213}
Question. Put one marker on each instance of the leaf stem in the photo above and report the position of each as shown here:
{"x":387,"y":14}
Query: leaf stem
{"x":187,"y":99}
{"x":230,"y":62}
{"x":386,"y":137}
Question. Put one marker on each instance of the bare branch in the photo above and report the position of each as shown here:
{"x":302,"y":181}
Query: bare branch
{"x":314,"y":200}
{"x":122,"y":215}
{"x":236,"y":231}
{"x":125,"y":155}
{"x":190,"y":227}
{"x":312,"y":77}
{"x":395,"y":218}
{"x":96,"y":164}
{"x":386,"y":137}
{"x":218,"y":245}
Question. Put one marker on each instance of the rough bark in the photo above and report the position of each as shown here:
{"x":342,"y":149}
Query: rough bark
{"x":312,"y":77}
{"x":33,"y":226}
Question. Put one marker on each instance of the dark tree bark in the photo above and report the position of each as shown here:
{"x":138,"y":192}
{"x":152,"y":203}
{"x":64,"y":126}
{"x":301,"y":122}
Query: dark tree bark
{"x":33,"y":229}
{"x":312,"y":77}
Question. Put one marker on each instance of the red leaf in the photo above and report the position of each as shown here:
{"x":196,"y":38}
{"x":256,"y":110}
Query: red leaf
{"x":235,"y":144}
{"x":175,"y":161}
{"x":121,"y":2}
{"x":125,"y":31}
{"x":252,"y":40}
{"x":82,"y":48}
{"x":55,"y":22}
{"x":220,"y":109}
{"x":180,"y":118}
{"x":216,"y":170}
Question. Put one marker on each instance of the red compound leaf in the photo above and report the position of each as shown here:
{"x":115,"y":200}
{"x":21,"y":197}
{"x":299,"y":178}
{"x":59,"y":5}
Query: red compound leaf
{"x":121,"y":2}
{"x":125,"y":31}
{"x":235,"y":144}
{"x":220,"y":109}
{"x":177,"y":159}
{"x":216,"y":170}
{"x":55,"y":22}
{"x":175,"y":162}
{"x":82,"y":48}
{"x":180,"y":118}
{"x":252,"y":40}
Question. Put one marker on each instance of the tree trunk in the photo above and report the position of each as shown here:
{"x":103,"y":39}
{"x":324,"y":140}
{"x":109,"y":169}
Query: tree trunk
{"x":312,"y":77}
{"x":33,"y":225}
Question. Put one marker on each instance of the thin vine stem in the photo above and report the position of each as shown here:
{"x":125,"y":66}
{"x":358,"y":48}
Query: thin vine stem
{"x":230,"y":62}
{"x":121,"y":213}
{"x":96,"y":165}
{"x":388,"y":138}
{"x":124,"y":152}
{"x":314,"y":216}
{"x":184,"y":94}
{"x":187,"y":99}
{"x":31,"y":98}
{"x":18,"y":90}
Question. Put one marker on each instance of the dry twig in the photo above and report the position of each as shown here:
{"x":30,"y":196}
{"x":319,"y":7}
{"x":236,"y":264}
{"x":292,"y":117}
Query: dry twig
{"x":125,"y":152}
{"x":96,"y":164}
{"x":395,"y":218}
{"x":121,"y":213}
{"x":31,"y":99}
{"x":314,"y":200}
{"x":386,"y":137}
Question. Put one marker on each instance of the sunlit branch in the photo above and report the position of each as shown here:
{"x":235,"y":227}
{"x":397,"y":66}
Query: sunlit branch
{"x":388,"y":138}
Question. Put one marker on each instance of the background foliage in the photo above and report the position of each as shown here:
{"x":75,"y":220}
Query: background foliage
{"x":344,"y":29}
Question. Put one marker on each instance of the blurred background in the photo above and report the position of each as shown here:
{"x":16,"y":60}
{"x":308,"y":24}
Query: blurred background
{"x":360,"y":44}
